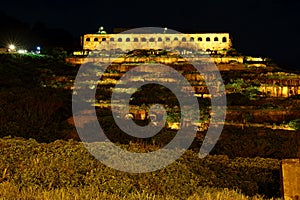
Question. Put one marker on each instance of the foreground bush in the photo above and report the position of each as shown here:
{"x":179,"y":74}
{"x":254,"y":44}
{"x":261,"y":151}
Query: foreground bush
{"x":64,"y":165}
{"x":10,"y":191}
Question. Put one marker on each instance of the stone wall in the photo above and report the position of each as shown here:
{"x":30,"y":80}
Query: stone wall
{"x":280,"y":91}
{"x":261,"y":116}
{"x":124,"y":42}
{"x":224,"y":62}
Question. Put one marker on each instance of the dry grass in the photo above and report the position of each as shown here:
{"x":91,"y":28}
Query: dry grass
{"x":9,"y":191}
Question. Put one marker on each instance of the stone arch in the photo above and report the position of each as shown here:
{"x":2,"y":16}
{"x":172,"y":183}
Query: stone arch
{"x":208,"y":39}
{"x":168,"y":39}
{"x":216,"y":39}
{"x":183,"y":39}
{"x":159,"y":39}
{"x":176,"y":39}
{"x":291,"y":91}
{"x":119,"y":39}
{"x":88,"y":39}
{"x":96,"y":39}
{"x":144,"y":39}
{"x":127,"y":39}
{"x":224,"y":39}
{"x":135,"y":39}
{"x":103,"y":39}
{"x":192,"y":39}
{"x":199,"y":39}
{"x":111,"y":39}
{"x":152,"y":40}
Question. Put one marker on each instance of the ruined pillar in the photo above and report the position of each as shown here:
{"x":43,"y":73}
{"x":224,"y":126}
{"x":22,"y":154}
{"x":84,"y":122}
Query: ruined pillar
{"x":290,"y":175}
{"x":290,"y":182}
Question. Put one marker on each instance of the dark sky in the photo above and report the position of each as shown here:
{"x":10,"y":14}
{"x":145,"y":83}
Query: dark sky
{"x":258,"y":27}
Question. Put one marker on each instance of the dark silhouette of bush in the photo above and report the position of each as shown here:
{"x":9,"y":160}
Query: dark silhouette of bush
{"x":39,"y":113}
{"x":237,"y":99}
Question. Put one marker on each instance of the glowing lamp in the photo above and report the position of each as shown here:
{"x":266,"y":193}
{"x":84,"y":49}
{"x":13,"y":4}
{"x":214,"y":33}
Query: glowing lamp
{"x":12,"y":47}
{"x":22,"y":51}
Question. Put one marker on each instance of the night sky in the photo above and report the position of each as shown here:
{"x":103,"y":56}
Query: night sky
{"x":258,"y":27}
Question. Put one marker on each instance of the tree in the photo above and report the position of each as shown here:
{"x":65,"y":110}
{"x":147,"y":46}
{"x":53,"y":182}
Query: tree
{"x":57,"y":52}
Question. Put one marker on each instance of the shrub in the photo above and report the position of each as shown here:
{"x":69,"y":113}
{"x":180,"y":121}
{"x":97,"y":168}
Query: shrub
{"x":67,"y":164}
{"x":295,"y":124}
{"x":39,"y":113}
{"x":256,"y":142}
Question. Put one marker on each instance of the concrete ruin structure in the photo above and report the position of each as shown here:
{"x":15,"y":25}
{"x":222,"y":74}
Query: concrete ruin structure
{"x":290,"y":179}
{"x":104,"y":47}
{"x":206,"y":41}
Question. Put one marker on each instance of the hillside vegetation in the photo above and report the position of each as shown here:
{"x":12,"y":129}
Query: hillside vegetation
{"x":42,"y":157}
